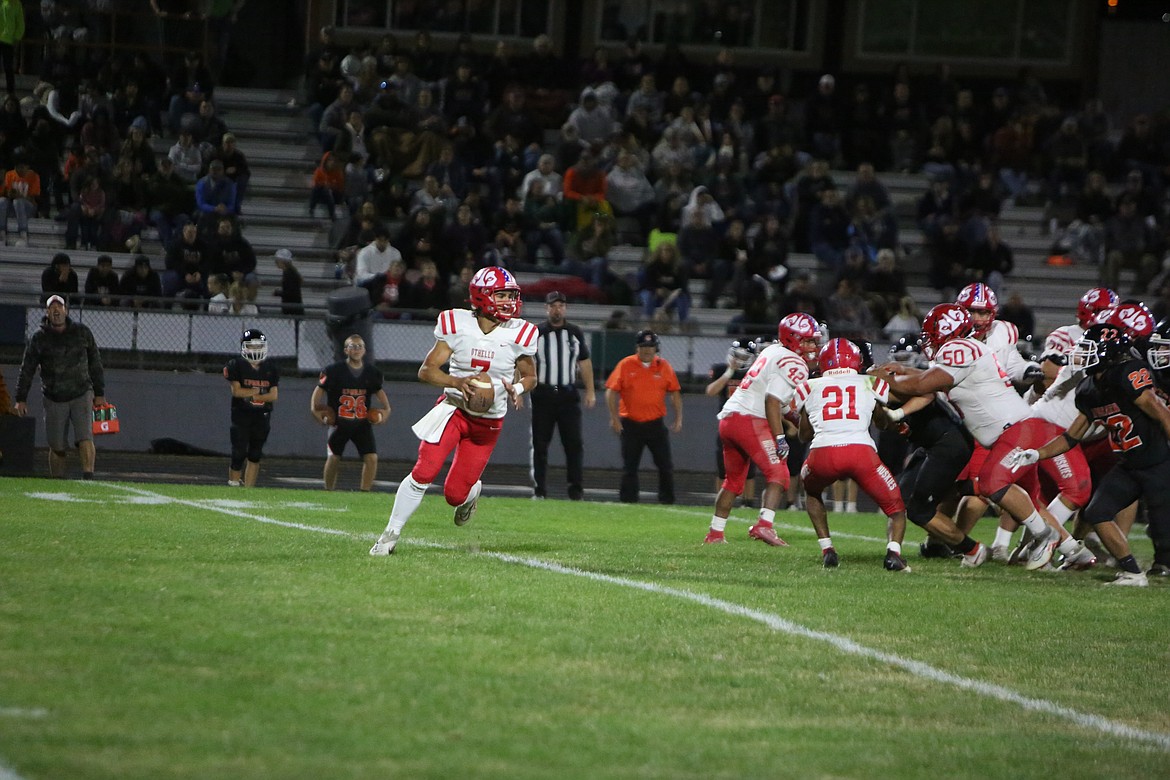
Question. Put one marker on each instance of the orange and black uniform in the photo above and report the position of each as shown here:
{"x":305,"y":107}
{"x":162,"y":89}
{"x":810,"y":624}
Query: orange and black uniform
{"x":642,"y":390}
{"x":1143,"y":467}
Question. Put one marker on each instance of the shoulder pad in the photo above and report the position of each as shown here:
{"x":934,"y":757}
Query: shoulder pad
{"x":959,"y":353}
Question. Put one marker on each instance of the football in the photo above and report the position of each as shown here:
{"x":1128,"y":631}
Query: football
{"x":324,"y":415}
{"x":375,"y":415}
{"x":482,"y":396}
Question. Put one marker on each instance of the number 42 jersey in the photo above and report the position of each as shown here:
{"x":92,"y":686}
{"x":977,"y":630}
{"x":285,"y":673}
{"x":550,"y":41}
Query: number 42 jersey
{"x":777,"y":372}
{"x":840,"y":407}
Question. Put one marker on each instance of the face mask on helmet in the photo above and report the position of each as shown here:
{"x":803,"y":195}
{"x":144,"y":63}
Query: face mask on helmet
{"x":908,"y":352}
{"x":982,"y":304}
{"x":801,"y":334}
{"x":1158,"y":351}
{"x":254,"y":346}
{"x":742,"y":353}
{"x":495,"y":293}
{"x":1093,"y":302}
{"x":1101,"y":345}
{"x":945,"y":322}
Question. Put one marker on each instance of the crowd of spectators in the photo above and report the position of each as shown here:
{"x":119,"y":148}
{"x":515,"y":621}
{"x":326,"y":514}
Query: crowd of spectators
{"x":457,"y":160}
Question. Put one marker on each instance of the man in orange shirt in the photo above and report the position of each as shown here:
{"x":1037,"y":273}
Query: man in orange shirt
{"x":22,"y":187}
{"x":636,"y":394}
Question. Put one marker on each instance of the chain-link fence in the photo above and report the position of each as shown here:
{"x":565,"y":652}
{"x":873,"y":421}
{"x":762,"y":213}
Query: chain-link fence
{"x":173,"y":339}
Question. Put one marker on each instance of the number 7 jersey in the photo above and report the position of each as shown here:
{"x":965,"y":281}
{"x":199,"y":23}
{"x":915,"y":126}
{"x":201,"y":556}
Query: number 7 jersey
{"x":840,"y":407}
{"x":496,"y":352}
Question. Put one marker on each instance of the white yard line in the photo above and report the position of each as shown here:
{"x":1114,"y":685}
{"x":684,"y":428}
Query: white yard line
{"x":804,"y":529}
{"x":775,"y":622}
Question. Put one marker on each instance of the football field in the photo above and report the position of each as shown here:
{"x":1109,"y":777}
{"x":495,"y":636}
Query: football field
{"x":162,"y":631}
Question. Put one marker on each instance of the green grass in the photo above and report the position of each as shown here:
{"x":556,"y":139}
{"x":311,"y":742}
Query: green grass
{"x":151,"y":637}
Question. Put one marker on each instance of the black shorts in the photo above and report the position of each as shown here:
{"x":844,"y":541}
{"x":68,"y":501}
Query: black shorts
{"x":1122,"y":486}
{"x":931,"y":474}
{"x":360,"y":432}
{"x":248,"y":434}
{"x":797,"y":452}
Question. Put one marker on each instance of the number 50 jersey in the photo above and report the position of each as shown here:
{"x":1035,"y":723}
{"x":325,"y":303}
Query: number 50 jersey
{"x":777,"y":371}
{"x":840,"y":407}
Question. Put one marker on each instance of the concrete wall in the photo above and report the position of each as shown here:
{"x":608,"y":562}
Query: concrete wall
{"x":193,"y":408}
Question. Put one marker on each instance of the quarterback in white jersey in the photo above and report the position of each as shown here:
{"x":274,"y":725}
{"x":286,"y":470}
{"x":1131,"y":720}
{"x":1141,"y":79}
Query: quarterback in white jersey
{"x":995,"y":415}
{"x":835,"y":412}
{"x":494,"y":353}
{"x":489,"y":341}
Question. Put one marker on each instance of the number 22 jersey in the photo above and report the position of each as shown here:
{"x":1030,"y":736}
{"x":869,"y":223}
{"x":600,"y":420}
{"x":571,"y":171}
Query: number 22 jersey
{"x":1110,"y":399}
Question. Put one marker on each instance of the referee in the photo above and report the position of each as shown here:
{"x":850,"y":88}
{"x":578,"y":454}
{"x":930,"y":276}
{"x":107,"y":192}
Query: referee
{"x":561,"y":352}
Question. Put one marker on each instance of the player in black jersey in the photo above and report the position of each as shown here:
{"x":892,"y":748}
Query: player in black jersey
{"x":254,"y":389}
{"x":928,"y":482}
{"x":725,"y":377}
{"x":1119,"y":393}
{"x":346,"y":388}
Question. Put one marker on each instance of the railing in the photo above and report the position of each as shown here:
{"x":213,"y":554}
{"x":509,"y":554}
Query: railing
{"x":173,"y":339}
{"x":112,"y":30}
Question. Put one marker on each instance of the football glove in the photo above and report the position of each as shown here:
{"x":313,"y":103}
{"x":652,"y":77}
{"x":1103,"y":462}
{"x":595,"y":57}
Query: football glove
{"x":782,"y":447}
{"x":1019,"y":458}
{"x":1033,"y":374}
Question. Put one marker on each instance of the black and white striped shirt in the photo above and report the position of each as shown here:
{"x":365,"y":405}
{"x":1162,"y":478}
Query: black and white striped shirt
{"x":557,"y":352}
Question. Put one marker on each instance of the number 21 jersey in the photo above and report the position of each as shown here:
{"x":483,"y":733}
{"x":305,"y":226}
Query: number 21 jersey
{"x":840,"y":407}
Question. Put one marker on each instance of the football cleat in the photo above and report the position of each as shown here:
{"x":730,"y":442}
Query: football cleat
{"x":829,"y":558}
{"x":895,"y":562}
{"x":978,"y":556}
{"x":767,"y":535}
{"x":1041,"y":554}
{"x":1022,"y":550}
{"x":715,"y":537}
{"x":465,"y":511}
{"x":1080,"y":560}
{"x":1131,"y":579}
{"x":1000,"y":554}
{"x":933,"y":548}
{"x":1159,"y":570}
{"x":385,"y":544}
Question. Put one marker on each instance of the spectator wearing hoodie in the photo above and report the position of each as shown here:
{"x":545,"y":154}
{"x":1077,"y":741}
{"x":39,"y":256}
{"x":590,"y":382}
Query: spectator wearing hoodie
{"x":594,"y":122}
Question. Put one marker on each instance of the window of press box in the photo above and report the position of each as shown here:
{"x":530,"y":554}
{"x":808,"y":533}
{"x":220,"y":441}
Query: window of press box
{"x":525,"y":18}
{"x":1025,"y":30}
{"x":777,"y":25}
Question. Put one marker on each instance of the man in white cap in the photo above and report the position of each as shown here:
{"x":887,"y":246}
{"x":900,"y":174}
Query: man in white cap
{"x":289,"y":293}
{"x":72,"y":380}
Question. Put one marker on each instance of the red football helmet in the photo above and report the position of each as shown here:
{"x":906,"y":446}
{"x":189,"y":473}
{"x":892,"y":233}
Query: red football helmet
{"x":1093,"y":302}
{"x":839,"y":354}
{"x":943,"y":323}
{"x":979,"y":297}
{"x":801,"y":333}
{"x":1132,"y":316}
{"x":483,"y":288}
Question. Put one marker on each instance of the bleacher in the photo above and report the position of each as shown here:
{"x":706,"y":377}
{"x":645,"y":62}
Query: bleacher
{"x":282,"y":157}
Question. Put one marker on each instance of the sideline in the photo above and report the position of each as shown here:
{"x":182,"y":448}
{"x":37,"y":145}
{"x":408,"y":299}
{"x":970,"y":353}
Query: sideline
{"x":775,"y":622}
